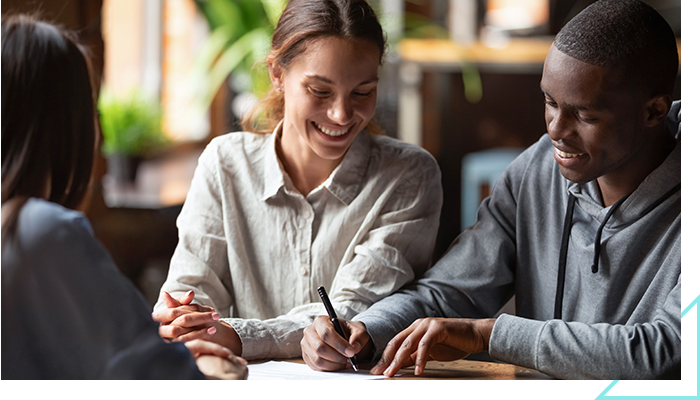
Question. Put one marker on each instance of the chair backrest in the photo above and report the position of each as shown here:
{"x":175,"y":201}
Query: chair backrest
{"x":480,"y":171}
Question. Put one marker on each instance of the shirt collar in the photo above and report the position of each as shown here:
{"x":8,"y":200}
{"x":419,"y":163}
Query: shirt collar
{"x":344,"y":182}
{"x":274,"y":176}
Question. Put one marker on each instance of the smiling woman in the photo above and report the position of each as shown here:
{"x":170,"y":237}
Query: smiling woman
{"x":306,"y":197}
{"x":334,"y":88}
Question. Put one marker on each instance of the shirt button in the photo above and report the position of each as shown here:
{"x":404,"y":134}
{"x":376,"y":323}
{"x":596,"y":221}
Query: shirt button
{"x":303,"y":271}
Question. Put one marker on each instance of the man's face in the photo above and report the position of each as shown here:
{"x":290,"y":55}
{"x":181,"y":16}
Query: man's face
{"x":596,"y":126}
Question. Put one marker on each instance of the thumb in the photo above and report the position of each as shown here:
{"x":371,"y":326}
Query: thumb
{"x":187,"y":298}
{"x":358,"y":335}
{"x":168,"y":300}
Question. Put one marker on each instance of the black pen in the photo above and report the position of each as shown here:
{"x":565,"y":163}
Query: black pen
{"x":334,"y":319}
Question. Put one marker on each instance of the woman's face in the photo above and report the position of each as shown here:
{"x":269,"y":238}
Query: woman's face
{"x":330,"y":93}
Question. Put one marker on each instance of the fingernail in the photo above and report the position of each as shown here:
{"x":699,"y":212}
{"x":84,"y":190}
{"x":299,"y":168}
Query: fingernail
{"x":189,"y":293}
{"x":375,"y":369}
{"x":215,"y":316}
{"x":211,"y":330}
{"x":349,"y":353}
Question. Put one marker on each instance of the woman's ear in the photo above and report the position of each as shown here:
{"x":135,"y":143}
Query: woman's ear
{"x":656,"y":110}
{"x":276,"y":75}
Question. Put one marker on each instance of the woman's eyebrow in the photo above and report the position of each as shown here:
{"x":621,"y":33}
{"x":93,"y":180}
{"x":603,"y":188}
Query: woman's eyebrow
{"x":330,"y":82}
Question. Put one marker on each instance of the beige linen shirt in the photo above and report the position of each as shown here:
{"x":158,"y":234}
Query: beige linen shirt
{"x":255,"y":249}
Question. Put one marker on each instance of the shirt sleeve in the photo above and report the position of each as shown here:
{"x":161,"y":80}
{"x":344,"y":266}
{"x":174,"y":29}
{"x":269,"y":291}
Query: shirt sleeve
{"x":398,"y":247}
{"x":200,"y":260}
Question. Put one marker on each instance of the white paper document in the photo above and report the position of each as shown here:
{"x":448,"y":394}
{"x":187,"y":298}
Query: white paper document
{"x":282,"y":370}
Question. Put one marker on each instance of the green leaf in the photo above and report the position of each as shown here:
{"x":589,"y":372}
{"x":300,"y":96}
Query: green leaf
{"x":130,"y":124}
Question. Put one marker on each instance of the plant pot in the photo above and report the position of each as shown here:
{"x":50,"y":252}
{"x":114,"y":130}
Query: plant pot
{"x":123,"y":167}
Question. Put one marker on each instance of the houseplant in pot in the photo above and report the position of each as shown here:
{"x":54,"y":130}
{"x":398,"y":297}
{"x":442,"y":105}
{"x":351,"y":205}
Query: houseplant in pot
{"x":131,"y":128}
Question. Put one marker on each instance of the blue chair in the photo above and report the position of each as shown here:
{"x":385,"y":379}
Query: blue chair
{"x":481,"y":170}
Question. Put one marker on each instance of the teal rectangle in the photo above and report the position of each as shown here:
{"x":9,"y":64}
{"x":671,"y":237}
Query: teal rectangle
{"x":690,"y":366}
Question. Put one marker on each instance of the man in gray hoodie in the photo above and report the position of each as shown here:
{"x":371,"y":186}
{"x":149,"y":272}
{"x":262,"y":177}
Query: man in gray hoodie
{"x":584,"y":227}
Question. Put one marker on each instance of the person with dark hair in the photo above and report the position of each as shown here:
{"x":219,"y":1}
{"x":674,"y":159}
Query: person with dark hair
{"x":59,"y":317}
{"x":305,"y":197}
{"x":584,"y":228}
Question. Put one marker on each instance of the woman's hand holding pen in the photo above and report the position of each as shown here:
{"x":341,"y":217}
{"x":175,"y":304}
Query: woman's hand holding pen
{"x":183,"y":322}
{"x":323,"y":349}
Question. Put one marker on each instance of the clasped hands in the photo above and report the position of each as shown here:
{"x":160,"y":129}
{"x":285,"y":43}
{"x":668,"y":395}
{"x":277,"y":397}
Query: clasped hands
{"x":442,"y":339}
{"x":204,"y":335}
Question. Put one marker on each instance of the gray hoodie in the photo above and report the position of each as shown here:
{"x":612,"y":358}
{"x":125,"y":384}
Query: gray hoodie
{"x":617,"y":314}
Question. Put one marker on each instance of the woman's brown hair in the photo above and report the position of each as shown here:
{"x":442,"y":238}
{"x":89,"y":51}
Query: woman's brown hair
{"x":48,"y":116}
{"x":301,"y":22}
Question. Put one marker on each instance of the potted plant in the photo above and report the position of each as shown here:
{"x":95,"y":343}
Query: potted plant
{"x":131,"y":127}
{"x":239,"y":40}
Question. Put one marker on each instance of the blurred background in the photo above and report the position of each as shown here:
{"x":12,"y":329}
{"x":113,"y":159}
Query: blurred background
{"x":461,"y":79}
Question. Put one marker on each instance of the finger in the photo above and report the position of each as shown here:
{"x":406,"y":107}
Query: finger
{"x":205,"y":333}
{"x":316,"y":361}
{"x":316,"y":349}
{"x":402,"y":357}
{"x":401,"y":347}
{"x":421,"y":356}
{"x":389,"y":352}
{"x":177,"y":333}
{"x":186,"y":298}
{"x":169,"y":301}
{"x":199,"y":347}
{"x":358,"y":337}
{"x":168,"y":315}
{"x":195,"y":319}
{"x":327,"y":334}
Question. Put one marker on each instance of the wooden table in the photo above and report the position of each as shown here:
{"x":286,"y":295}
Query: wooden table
{"x":458,"y":370}
{"x":469,"y":369}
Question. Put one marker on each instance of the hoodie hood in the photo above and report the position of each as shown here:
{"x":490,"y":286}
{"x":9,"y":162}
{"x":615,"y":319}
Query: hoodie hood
{"x":673,"y":120}
{"x":661,"y":184}
{"x":656,"y":185}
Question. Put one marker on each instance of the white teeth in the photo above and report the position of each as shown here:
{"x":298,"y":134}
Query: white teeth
{"x":566,"y":155}
{"x":330,"y":132}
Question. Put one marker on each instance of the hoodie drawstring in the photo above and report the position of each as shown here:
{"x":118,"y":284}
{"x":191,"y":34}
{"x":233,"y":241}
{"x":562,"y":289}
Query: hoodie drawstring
{"x":596,"y":253}
{"x":563,"y":249}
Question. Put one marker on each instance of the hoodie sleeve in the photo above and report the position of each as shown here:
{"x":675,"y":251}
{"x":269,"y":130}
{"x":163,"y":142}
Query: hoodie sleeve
{"x":474,"y":278}
{"x":574,"y":350}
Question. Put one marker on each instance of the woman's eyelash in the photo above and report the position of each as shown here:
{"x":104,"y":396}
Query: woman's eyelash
{"x":323,"y":93}
{"x":318,"y":92}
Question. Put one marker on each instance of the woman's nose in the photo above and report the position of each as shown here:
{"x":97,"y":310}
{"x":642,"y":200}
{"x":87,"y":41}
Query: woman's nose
{"x":341,"y":111}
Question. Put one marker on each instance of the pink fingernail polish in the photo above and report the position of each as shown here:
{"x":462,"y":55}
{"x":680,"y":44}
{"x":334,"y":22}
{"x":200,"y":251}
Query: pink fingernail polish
{"x":211,"y":330}
{"x":215,"y":316}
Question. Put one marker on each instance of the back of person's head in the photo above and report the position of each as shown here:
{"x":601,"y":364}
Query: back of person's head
{"x":302,"y":22}
{"x":628,"y":36}
{"x":48,"y":113}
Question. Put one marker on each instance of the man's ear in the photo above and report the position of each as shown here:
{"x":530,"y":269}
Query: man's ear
{"x":276,"y":75}
{"x":656,"y":110}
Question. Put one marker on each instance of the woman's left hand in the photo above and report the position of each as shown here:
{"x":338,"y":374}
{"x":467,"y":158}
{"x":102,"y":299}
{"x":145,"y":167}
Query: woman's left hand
{"x":183,"y":322}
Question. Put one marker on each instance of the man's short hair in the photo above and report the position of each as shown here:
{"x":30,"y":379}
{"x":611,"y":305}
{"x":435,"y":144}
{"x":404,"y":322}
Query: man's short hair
{"x":625,"y":34}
